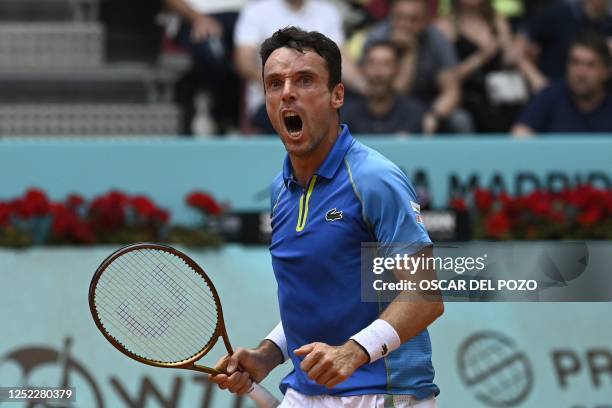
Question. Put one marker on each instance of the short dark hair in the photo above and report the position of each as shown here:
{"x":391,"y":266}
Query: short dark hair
{"x":381,"y":43}
{"x":595,"y":42}
{"x":300,"y":40}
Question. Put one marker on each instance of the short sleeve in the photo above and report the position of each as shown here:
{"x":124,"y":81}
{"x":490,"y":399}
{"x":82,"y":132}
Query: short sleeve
{"x":537,"y":113}
{"x":247,"y":32}
{"x":392,"y":209}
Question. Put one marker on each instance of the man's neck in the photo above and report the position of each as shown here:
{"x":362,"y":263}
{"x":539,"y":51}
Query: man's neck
{"x":304,"y":167}
{"x":381,"y":105}
{"x":590,"y":103}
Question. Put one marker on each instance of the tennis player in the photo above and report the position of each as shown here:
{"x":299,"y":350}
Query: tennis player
{"x":333,"y":194}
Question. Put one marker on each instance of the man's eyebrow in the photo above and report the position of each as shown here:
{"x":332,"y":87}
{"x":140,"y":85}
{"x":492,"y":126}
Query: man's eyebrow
{"x":306,"y":72}
{"x":272,"y":75}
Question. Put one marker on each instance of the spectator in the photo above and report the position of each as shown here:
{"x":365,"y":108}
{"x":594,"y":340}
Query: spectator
{"x":581,"y":104}
{"x":207,"y":30}
{"x":548,"y":34}
{"x":259,"y":20}
{"x":382,"y":110}
{"x":426,"y":67}
{"x":493,"y":86}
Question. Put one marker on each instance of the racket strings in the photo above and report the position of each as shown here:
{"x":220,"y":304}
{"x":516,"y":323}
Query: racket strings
{"x":207,"y":310}
{"x":196,"y":280}
{"x":143,"y":316}
{"x":156,"y":306}
{"x":146,"y":349}
{"x":136,"y":342}
{"x":171,"y":295}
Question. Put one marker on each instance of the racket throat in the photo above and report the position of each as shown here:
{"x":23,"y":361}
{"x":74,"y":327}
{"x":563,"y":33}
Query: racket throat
{"x":204,"y":369}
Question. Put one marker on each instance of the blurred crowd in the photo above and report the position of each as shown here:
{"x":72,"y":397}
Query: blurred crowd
{"x":412,"y":66}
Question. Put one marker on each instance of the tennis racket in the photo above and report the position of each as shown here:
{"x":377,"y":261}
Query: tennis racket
{"x":158,"y":306}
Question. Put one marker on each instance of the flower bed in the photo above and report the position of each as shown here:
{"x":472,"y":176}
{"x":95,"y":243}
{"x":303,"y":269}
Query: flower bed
{"x":111,"y":218}
{"x":583,"y":212}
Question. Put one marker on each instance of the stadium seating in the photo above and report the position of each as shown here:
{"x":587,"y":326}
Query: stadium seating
{"x":55,"y":77}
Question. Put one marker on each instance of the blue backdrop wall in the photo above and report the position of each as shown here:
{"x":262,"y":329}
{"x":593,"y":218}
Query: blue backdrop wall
{"x":240,"y":171}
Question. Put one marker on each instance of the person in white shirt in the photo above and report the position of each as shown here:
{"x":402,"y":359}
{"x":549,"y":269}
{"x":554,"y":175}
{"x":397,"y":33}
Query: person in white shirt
{"x":206,"y":29}
{"x":259,"y":20}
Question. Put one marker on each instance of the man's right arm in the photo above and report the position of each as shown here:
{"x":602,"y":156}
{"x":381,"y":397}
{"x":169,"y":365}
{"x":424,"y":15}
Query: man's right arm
{"x":255,"y":364}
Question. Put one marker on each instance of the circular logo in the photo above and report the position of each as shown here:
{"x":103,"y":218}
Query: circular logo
{"x":45,"y":366}
{"x":490,"y":364}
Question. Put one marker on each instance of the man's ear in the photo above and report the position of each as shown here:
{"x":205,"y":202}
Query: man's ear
{"x":337,"y":96}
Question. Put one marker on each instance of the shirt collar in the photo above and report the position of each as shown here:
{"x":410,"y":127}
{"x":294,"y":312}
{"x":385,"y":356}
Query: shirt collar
{"x":332,"y":161}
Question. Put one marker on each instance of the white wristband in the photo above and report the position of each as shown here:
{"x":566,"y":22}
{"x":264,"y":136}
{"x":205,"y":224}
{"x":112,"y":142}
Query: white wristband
{"x":378,"y":339}
{"x":277,"y":336}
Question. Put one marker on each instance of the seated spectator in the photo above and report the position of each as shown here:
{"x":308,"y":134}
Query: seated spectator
{"x":426,"y":65}
{"x":548,"y":34}
{"x":382,"y":109}
{"x":493,"y":85}
{"x":580,"y":104}
{"x":206,"y":30}
{"x":259,"y":20}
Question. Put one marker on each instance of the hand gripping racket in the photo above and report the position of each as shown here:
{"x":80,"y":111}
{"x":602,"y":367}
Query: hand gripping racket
{"x":157,"y":306}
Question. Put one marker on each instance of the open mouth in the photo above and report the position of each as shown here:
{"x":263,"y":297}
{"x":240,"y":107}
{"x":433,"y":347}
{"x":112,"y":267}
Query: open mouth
{"x":293,"y":123}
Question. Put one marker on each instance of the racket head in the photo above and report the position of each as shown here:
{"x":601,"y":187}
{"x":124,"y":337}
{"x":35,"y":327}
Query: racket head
{"x":103,"y":314}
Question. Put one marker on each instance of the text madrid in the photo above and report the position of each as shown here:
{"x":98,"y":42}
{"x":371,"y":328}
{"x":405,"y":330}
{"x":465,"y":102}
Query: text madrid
{"x":443,"y":284}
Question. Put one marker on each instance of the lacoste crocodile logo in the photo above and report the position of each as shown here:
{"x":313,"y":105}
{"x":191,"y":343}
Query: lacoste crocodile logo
{"x":333,"y":215}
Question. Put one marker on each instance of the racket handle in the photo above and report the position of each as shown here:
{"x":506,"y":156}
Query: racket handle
{"x":262,"y":397}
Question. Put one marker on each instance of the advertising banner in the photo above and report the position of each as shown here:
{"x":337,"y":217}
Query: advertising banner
{"x":485,"y":354}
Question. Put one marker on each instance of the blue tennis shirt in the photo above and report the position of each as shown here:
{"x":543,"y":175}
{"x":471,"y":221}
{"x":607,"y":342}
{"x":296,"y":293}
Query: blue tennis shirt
{"x":357,"y":195}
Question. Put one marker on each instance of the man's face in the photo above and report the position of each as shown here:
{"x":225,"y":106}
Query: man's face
{"x":409,"y":17}
{"x":300,"y":105}
{"x":380,"y":68}
{"x":587,"y":73}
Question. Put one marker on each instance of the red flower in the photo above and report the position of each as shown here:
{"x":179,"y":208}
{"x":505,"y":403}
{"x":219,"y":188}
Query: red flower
{"x":590,"y":217}
{"x":37,"y":201}
{"x":458,"y":204}
{"x":74,"y":201}
{"x":69,"y":227}
{"x":22,"y":208}
{"x":108,"y":212}
{"x":62,"y":223}
{"x":5,"y":214}
{"x":558,"y":217}
{"x":143,"y":206}
{"x":161,"y":216}
{"x":484,"y":199}
{"x":505,"y":198}
{"x":204,"y":202}
{"x":497,"y":224}
{"x":82,"y":233}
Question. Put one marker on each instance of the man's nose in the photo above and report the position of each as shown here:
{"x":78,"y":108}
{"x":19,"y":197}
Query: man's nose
{"x":288,"y":91}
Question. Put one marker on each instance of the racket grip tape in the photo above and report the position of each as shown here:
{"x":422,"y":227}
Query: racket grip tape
{"x":262,"y":397}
